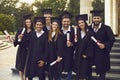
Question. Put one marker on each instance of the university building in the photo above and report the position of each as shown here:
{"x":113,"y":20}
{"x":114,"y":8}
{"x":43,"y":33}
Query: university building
{"x":112,"y":13}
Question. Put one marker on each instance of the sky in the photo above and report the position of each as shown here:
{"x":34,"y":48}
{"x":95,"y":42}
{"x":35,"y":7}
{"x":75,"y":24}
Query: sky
{"x":27,"y":1}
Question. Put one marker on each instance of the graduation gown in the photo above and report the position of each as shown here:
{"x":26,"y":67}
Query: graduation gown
{"x":37,"y":51}
{"x":55,"y":49}
{"x":22,"y":49}
{"x":84,"y":46}
{"x":46,"y":30}
{"x":68,"y":52}
{"x":102,"y":56}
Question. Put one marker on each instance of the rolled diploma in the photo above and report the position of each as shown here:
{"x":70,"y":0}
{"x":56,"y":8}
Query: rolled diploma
{"x":21,"y":33}
{"x":54,"y":62}
{"x":75,"y":33}
{"x":7,"y":34}
{"x":75,"y":30}
{"x":93,"y":38}
{"x":68,"y":36}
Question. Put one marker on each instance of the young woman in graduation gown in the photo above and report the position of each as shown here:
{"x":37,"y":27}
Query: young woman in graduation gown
{"x":55,"y":49}
{"x":37,"y":51}
{"x":84,"y":49}
{"x":23,"y":45}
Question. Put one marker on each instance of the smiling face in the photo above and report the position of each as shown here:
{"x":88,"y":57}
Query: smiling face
{"x":81,"y":24}
{"x":54,"y":26}
{"x":28,"y":23}
{"x":96,"y":20}
{"x":66,"y":22}
{"x":39,"y":26}
{"x":48,"y":18}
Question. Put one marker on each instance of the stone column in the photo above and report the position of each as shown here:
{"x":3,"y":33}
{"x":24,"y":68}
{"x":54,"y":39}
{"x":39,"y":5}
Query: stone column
{"x":115,"y":16}
{"x":111,"y":15}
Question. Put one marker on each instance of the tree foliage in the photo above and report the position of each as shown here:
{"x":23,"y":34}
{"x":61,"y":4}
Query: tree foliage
{"x":8,"y":7}
{"x":56,"y":5}
{"x":99,"y":5}
{"x":7,"y":22}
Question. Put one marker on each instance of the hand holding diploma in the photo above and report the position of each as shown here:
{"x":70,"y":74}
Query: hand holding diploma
{"x":101,"y":46}
{"x":41,"y":63}
{"x":54,"y":62}
{"x":75,"y":34}
{"x":8,"y":36}
{"x":68,"y":40}
{"x":21,"y":35}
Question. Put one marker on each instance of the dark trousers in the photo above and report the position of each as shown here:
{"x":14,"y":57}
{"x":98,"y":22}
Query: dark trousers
{"x":54,"y":72}
{"x":102,"y":76}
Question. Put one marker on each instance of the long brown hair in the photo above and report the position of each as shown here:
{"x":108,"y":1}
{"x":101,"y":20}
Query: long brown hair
{"x":57,"y":32}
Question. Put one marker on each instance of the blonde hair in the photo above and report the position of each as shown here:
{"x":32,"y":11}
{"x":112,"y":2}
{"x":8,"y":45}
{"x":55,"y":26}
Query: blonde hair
{"x":57,"y":32}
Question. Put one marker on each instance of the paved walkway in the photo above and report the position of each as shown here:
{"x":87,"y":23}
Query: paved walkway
{"x":7,"y":61}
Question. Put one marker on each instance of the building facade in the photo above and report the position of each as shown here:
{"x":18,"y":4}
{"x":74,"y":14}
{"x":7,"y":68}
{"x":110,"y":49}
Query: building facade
{"x":112,"y":13}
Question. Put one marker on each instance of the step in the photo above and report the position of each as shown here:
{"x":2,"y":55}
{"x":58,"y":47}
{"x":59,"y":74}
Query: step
{"x":115,"y":61}
{"x":117,"y":39}
{"x":114,"y":69}
{"x":116,"y":44}
{"x":115,"y":55}
{"x":115,"y":49}
{"x":1,"y":42}
{"x":109,"y":76}
{"x":5,"y":47}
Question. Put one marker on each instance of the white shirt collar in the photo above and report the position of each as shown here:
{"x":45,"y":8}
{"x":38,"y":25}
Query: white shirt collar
{"x":48,"y":27}
{"x":82,"y":34}
{"x":65,"y":31}
{"x":53,"y":34}
{"x":98,"y":27}
{"x":39,"y":33}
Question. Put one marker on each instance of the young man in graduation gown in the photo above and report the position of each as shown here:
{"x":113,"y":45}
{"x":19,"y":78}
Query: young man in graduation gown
{"x":47,"y":13}
{"x":105,"y":37}
{"x":22,"y":41}
{"x":68,"y":40}
{"x":83,"y":49}
{"x":37,"y":51}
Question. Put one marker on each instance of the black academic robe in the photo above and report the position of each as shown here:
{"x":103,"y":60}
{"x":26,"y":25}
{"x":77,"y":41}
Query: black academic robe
{"x":102,"y":56}
{"x":37,"y":51}
{"x":22,"y":49}
{"x":84,"y":46}
{"x":46,"y":30}
{"x":55,"y":49}
{"x":68,"y":52}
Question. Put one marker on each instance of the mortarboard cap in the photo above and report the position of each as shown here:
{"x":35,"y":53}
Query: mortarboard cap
{"x":28,"y":16}
{"x":81,"y":17}
{"x":96,"y":12}
{"x":66,"y":14}
{"x":39,"y":19}
{"x":47,"y":11}
{"x":55,"y":19}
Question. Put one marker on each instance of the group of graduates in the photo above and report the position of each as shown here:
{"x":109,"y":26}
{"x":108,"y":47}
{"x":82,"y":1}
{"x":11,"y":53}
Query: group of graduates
{"x":71,"y":47}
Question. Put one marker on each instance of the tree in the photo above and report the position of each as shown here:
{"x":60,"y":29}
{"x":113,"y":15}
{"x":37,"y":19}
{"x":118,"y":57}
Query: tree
{"x":7,"y":6}
{"x":56,"y":5}
{"x":74,"y":8}
{"x":7,"y":22}
{"x":98,"y":5}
